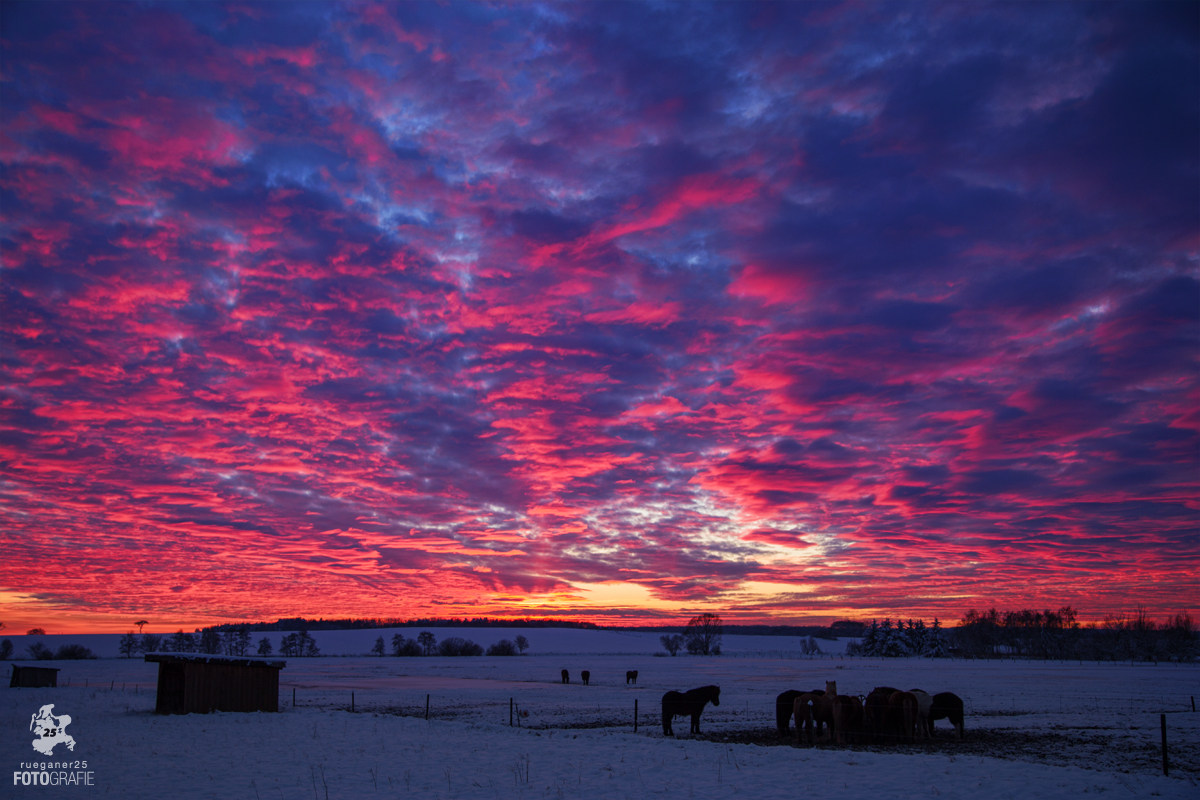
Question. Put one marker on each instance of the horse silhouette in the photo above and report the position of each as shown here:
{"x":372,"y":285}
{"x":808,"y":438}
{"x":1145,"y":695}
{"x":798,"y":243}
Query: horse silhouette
{"x":947,"y":705}
{"x":691,"y":702}
{"x":802,"y":709}
{"x":586,"y":677}
{"x":822,"y":708}
{"x":566,"y":676}
{"x":904,"y":714}
{"x":785,"y":709}
{"x":847,"y":718}
{"x":877,"y":712}
{"x":631,"y":677}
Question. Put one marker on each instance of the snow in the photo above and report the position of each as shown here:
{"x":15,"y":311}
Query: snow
{"x":1034,"y":729}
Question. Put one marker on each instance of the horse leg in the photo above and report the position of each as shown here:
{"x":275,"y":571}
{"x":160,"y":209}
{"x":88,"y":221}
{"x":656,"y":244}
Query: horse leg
{"x":695,"y":722}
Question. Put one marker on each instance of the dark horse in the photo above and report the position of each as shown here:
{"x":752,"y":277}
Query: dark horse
{"x":566,"y":676}
{"x":586,"y":677}
{"x":877,"y":713}
{"x":947,"y":705}
{"x":682,"y":704}
{"x":784,"y":705}
{"x":631,"y":676}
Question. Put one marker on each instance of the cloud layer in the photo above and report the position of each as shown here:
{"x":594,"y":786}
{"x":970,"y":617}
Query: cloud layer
{"x":791,"y":311}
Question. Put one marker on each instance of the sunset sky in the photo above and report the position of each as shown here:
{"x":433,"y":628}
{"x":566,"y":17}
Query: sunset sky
{"x":617,"y":312}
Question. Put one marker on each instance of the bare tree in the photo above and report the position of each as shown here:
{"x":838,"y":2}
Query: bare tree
{"x":671,"y":643}
{"x":522,"y":643}
{"x":427,"y":641}
{"x":703,"y":635}
{"x":140,"y":623}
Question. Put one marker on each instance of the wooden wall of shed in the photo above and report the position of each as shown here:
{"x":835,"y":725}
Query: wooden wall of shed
{"x":197,"y":688}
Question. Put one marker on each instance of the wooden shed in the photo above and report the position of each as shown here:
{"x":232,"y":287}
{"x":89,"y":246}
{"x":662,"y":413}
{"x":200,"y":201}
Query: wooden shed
{"x":33,"y":677}
{"x":197,"y":684}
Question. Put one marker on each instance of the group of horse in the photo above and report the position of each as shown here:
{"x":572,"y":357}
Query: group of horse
{"x":630,"y":676}
{"x":884,"y":715}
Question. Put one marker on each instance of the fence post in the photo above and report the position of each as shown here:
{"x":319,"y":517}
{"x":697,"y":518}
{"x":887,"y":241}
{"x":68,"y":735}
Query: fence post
{"x":426,"y":706}
{"x":1162,"y":718}
{"x":635,"y":715}
{"x":352,"y":701}
{"x":510,"y":704}
{"x":293,"y":697}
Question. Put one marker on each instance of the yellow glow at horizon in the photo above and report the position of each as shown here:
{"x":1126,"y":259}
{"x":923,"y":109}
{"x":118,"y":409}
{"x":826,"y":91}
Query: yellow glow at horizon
{"x":622,"y":595}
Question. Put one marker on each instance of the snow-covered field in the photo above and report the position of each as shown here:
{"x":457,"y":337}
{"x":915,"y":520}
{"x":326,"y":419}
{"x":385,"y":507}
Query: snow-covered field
{"x":1033,"y":729}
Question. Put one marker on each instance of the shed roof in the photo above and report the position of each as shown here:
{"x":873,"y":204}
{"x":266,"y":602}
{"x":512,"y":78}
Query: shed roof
{"x":36,"y":666}
{"x":205,"y":658}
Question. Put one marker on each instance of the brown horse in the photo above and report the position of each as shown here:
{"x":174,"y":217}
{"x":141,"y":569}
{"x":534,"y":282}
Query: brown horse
{"x":566,"y":676}
{"x":689,"y":703}
{"x":947,"y":705}
{"x":877,"y":712}
{"x":802,"y":710}
{"x":904,"y":714}
{"x":822,"y":708}
{"x":586,"y":677}
{"x":631,"y":677}
{"x":847,"y":718}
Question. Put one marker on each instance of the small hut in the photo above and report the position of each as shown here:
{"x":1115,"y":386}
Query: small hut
{"x":33,"y":677}
{"x":197,"y":684}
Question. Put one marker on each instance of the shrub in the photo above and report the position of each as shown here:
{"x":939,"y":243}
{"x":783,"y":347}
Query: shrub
{"x":502,"y":648}
{"x":74,"y":652}
{"x":6,"y":650}
{"x":455,"y":646}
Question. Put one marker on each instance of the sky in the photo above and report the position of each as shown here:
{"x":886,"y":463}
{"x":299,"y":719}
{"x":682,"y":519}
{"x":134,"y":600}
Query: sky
{"x":616,"y":312}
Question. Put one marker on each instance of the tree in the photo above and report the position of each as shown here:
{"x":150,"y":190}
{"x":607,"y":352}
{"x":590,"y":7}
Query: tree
{"x":150,"y":642}
{"x":183,"y":642}
{"x":6,"y":650}
{"x":703,"y":634}
{"x":289,"y":647}
{"x":936,"y":645}
{"x":427,"y":641}
{"x":522,"y":644}
{"x":74,"y":652}
{"x":308,"y":645}
{"x":671,"y":643}
{"x":809,"y":647}
{"x":264,"y":646}
{"x":39,"y":652}
{"x":140,"y":623}
{"x":128,"y":645}
{"x":378,"y":649}
{"x":210,"y":642}
{"x":36,"y":632}
{"x":242,"y":643}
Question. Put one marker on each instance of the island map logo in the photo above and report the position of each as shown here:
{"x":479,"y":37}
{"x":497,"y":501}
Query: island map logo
{"x":51,"y":730}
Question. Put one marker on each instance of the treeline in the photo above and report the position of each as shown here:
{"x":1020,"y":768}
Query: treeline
{"x":1033,"y":634}
{"x":300,"y":623}
{"x":1056,"y":634}
{"x":841,"y":628}
{"x":232,"y":642}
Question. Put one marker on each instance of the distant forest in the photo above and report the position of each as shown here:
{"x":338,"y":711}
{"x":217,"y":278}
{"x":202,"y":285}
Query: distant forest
{"x":302,"y":624}
{"x":844,"y":628}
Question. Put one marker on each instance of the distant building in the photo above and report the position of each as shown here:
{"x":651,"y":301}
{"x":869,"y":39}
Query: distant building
{"x":198,"y":684}
{"x":33,"y":677}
